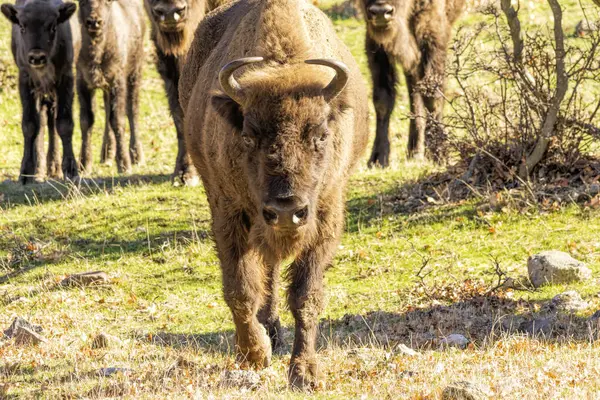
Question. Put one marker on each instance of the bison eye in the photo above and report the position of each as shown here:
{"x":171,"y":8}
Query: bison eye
{"x":53,"y":29}
{"x":248,"y":141}
{"x":22,"y":29}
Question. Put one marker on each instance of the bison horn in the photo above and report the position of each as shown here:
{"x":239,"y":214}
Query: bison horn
{"x":338,"y":83}
{"x":228,"y":82}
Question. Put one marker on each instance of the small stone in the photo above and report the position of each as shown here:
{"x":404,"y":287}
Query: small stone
{"x":407,"y":351}
{"x":26,"y":337}
{"x":570,"y":301}
{"x":511,"y":323}
{"x":18,"y":323}
{"x":106,"y":372}
{"x":86,"y":279}
{"x":240,"y":379}
{"x":455,"y":340}
{"x":584,"y":27}
{"x":102,"y":341}
{"x":594,"y":188}
{"x":556,"y":267}
{"x":464,"y":391}
{"x":541,"y":326}
{"x":520,"y":283}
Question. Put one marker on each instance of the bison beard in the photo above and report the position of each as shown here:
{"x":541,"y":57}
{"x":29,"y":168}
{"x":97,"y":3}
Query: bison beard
{"x":415,"y":35}
{"x":274,"y":144}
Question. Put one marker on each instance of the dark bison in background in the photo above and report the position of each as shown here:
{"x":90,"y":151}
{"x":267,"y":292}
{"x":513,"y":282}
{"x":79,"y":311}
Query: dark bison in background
{"x":173,"y":23}
{"x":414,"y":34}
{"x":45,"y":47}
{"x":276,"y":117}
{"x":111,"y":59}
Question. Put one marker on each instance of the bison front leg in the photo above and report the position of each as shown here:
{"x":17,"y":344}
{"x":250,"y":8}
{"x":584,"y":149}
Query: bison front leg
{"x":243,"y":288}
{"x":418,"y":120}
{"x":185,"y":171}
{"x":305,"y":298}
{"x":383,"y":74}
{"x":133,"y":102}
{"x":268,"y":315}
{"x":53,"y":158}
{"x":86,"y":122}
{"x":117,"y":99}
{"x":64,"y":125}
{"x":109,"y":143}
{"x":31,"y":126}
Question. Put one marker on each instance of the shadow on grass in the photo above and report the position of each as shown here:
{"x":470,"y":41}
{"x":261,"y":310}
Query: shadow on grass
{"x":482,"y":320}
{"x":14,"y":194}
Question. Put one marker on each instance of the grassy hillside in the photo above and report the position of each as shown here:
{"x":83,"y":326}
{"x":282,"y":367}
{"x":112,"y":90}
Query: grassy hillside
{"x":174,"y":332}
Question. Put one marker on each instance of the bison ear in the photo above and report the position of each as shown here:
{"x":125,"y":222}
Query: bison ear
{"x":10,"y":12}
{"x":229,"y":110}
{"x":65,"y":11}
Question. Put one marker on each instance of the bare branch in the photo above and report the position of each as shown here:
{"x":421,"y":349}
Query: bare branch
{"x":562,"y":84}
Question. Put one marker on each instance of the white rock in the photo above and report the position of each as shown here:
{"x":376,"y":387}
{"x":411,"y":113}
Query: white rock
{"x":569,"y":301}
{"x":455,"y":340}
{"x":556,"y":267}
{"x":240,"y":379}
{"x":407,"y":351}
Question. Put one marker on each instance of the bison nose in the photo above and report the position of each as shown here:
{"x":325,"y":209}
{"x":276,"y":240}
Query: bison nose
{"x":170,"y":15}
{"x":285,"y":213}
{"x":94,"y":23}
{"x":381,"y":12}
{"x":37,"y":58}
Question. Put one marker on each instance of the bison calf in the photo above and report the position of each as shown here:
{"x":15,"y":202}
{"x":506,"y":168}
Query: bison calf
{"x":45,"y":47}
{"x":111,"y":59}
{"x":173,"y":23}
{"x":275,"y":137}
{"x":414,"y":34}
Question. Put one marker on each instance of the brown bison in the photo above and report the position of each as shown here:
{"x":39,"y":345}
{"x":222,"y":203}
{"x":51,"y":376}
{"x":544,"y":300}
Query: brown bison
{"x":275,"y":118}
{"x":414,"y":34}
{"x":45,"y":45}
{"x":111,"y":59}
{"x":173,"y":23}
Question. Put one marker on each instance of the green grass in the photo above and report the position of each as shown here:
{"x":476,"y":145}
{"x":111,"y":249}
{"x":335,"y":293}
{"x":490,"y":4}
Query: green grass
{"x":164,"y":300}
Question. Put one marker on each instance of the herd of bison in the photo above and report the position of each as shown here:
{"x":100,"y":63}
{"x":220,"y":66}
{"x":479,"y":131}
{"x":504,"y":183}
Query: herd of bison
{"x":271,"y":112}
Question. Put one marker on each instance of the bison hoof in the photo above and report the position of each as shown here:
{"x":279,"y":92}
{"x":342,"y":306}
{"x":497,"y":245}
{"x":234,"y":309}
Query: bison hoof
{"x":258,"y":356}
{"x":136,"y":155}
{"x":379,"y":160}
{"x":54,"y":170}
{"x":276,"y":334}
{"x":305,"y":376}
{"x":69,"y":169}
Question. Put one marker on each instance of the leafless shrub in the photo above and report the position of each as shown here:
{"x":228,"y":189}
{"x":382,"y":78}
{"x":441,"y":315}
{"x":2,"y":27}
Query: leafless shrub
{"x":526,"y":108}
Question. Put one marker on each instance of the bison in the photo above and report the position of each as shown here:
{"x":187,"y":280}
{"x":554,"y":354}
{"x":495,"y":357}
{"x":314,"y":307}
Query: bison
{"x":276,"y":117}
{"x":414,"y":34}
{"x":45,"y":46}
{"x":173,"y":23}
{"x":111,"y":59}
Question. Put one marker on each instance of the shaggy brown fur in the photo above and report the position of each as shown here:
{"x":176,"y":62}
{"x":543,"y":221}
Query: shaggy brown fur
{"x":173,"y":23}
{"x":416,"y":37}
{"x":112,"y":56}
{"x":285,"y":143}
{"x":45,"y":45}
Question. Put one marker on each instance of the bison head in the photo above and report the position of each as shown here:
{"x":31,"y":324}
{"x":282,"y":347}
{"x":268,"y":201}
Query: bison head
{"x":168,"y":15}
{"x":38,"y":22}
{"x":93,"y":14}
{"x":380,"y":15}
{"x":284,"y":119}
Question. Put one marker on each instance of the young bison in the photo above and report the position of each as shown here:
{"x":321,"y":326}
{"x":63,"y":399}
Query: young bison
{"x":274,"y":149}
{"x":414,"y":34}
{"x":45,"y":46}
{"x":111,"y":59}
{"x":173,"y":23}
